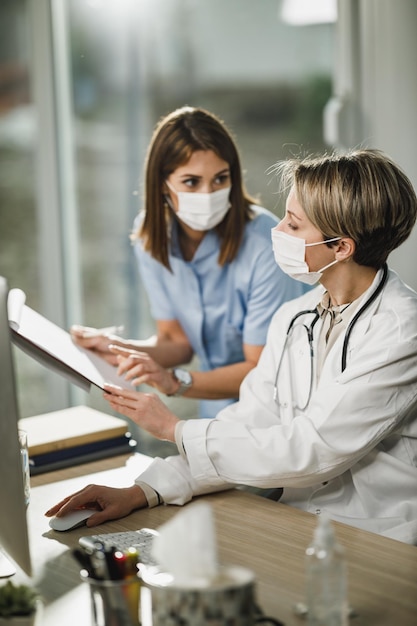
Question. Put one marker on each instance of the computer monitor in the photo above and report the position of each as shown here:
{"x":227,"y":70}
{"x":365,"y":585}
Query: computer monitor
{"x":14,"y":540}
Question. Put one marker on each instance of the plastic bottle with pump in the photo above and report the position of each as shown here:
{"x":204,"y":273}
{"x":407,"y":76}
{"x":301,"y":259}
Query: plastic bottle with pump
{"x":326,"y":578}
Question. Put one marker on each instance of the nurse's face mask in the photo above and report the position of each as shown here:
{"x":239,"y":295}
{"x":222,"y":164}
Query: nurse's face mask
{"x":289,"y":253}
{"x":202,"y":211}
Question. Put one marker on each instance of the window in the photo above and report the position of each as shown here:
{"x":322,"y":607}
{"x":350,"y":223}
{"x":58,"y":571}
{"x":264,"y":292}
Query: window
{"x":126,"y":64}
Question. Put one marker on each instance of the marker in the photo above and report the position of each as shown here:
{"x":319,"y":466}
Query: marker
{"x":84,"y":560}
{"x":115,"y":563}
{"x":131,"y":562}
{"x":99,"y":561}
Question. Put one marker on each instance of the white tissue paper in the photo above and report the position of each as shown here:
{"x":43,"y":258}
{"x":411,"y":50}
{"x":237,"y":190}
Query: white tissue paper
{"x":186,"y":547}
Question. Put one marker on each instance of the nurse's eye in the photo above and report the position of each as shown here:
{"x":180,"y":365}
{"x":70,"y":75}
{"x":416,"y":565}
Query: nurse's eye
{"x":222,"y":179}
{"x":191,"y":183}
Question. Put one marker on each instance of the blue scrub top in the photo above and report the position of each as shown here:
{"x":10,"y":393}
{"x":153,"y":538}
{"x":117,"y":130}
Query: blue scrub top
{"x":219,"y":308}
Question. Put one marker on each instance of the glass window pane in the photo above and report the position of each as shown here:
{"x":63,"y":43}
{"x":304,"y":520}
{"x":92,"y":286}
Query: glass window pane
{"x":131,"y":63}
{"x":18,"y":224}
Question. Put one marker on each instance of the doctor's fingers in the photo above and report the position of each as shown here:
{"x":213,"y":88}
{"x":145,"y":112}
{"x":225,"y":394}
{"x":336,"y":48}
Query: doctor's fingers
{"x":138,"y":405}
{"x":76,"y":500}
{"x":56,"y":509}
{"x":145,"y":409}
{"x":125,"y":398}
{"x":116,"y":503}
{"x":110,"y":502}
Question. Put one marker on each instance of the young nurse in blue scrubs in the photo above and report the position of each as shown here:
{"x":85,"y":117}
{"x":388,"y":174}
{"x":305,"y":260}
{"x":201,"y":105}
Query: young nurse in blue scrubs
{"x":204,"y":253}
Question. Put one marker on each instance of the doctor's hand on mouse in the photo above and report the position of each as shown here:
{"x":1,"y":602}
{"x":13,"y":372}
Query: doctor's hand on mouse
{"x":107,"y":503}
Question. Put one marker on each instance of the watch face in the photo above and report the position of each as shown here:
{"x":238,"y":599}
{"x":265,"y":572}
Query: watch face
{"x":183,"y":376}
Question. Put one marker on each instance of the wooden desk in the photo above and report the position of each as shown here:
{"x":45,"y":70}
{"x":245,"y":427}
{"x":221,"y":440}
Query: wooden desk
{"x":267,"y":537}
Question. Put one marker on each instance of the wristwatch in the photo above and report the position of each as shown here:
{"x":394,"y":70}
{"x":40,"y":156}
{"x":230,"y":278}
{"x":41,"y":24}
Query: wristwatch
{"x":185,"y":380}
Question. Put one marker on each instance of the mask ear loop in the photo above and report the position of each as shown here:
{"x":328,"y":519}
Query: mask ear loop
{"x":168,"y":201}
{"x":325,"y":241}
{"x":171,"y":187}
{"x":318,"y":243}
{"x":327,"y":266}
{"x":167,"y":197}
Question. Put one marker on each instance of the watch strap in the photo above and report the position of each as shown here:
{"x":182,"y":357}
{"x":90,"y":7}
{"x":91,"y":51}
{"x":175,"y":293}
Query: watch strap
{"x":185,"y":381}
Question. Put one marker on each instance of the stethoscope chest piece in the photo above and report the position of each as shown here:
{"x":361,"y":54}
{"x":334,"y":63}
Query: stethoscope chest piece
{"x":304,"y":322}
{"x":302,"y":353}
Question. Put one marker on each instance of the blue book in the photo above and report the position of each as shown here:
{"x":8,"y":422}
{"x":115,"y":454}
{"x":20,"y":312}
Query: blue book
{"x":77,"y":455}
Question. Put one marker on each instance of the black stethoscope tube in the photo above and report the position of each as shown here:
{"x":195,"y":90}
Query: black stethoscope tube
{"x":357,"y":315}
{"x":310,"y":329}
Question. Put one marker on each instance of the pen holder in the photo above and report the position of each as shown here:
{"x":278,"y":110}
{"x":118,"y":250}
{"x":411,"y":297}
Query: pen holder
{"x":230,"y":599}
{"x":114,"y":602}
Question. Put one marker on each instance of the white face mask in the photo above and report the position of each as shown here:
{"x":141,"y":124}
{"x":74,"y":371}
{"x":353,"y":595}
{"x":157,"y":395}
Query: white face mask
{"x":289,"y":252}
{"x":202,"y":211}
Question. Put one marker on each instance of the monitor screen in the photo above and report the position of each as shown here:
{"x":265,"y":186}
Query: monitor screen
{"x":14,"y":541}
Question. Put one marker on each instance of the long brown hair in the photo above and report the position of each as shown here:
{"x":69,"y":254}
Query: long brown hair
{"x":176,"y":137}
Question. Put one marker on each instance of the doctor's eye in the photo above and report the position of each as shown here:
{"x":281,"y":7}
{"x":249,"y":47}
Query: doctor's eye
{"x":286,"y":221}
{"x":290,"y":224}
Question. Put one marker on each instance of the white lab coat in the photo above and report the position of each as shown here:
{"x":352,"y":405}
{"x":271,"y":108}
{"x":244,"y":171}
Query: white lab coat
{"x":352,"y":452}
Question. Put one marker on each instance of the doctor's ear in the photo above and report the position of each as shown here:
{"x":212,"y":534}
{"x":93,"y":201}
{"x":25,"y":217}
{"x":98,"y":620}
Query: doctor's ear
{"x":345,"y":249}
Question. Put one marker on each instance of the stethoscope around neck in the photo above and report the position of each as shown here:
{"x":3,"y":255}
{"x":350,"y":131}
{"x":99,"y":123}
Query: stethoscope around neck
{"x":310,"y":335}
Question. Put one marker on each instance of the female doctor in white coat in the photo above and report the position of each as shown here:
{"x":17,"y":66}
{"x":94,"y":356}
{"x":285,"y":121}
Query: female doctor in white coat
{"x":330,"y":412}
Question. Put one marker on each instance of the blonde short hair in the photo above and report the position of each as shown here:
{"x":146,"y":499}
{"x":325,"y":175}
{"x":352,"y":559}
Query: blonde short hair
{"x":362,"y":194}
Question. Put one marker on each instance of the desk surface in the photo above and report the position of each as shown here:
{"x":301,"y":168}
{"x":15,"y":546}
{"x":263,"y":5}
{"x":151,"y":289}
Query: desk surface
{"x":270,"y":538}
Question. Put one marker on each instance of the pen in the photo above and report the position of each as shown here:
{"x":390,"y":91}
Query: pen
{"x":84,"y":560}
{"x":121,"y":565}
{"x":99,"y":562}
{"x":107,"y":562}
{"x":115,"y":585}
{"x":115,"y":563}
{"x":108,"y":330}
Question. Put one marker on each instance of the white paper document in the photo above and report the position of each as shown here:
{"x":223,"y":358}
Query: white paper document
{"x":53,"y":347}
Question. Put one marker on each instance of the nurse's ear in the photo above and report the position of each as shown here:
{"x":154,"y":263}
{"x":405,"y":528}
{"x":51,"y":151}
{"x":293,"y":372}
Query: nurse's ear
{"x":344,"y":249}
{"x":169,"y":197}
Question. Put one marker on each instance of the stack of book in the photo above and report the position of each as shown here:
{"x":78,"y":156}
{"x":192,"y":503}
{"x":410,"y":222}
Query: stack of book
{"x":55,"y":442}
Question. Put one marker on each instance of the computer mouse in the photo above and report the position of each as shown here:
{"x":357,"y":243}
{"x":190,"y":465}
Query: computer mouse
{"x":71,"y":520}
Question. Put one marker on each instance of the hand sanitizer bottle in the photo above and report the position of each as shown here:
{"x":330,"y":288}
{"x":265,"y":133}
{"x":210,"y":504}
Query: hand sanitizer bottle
{"x":326,"y":578}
